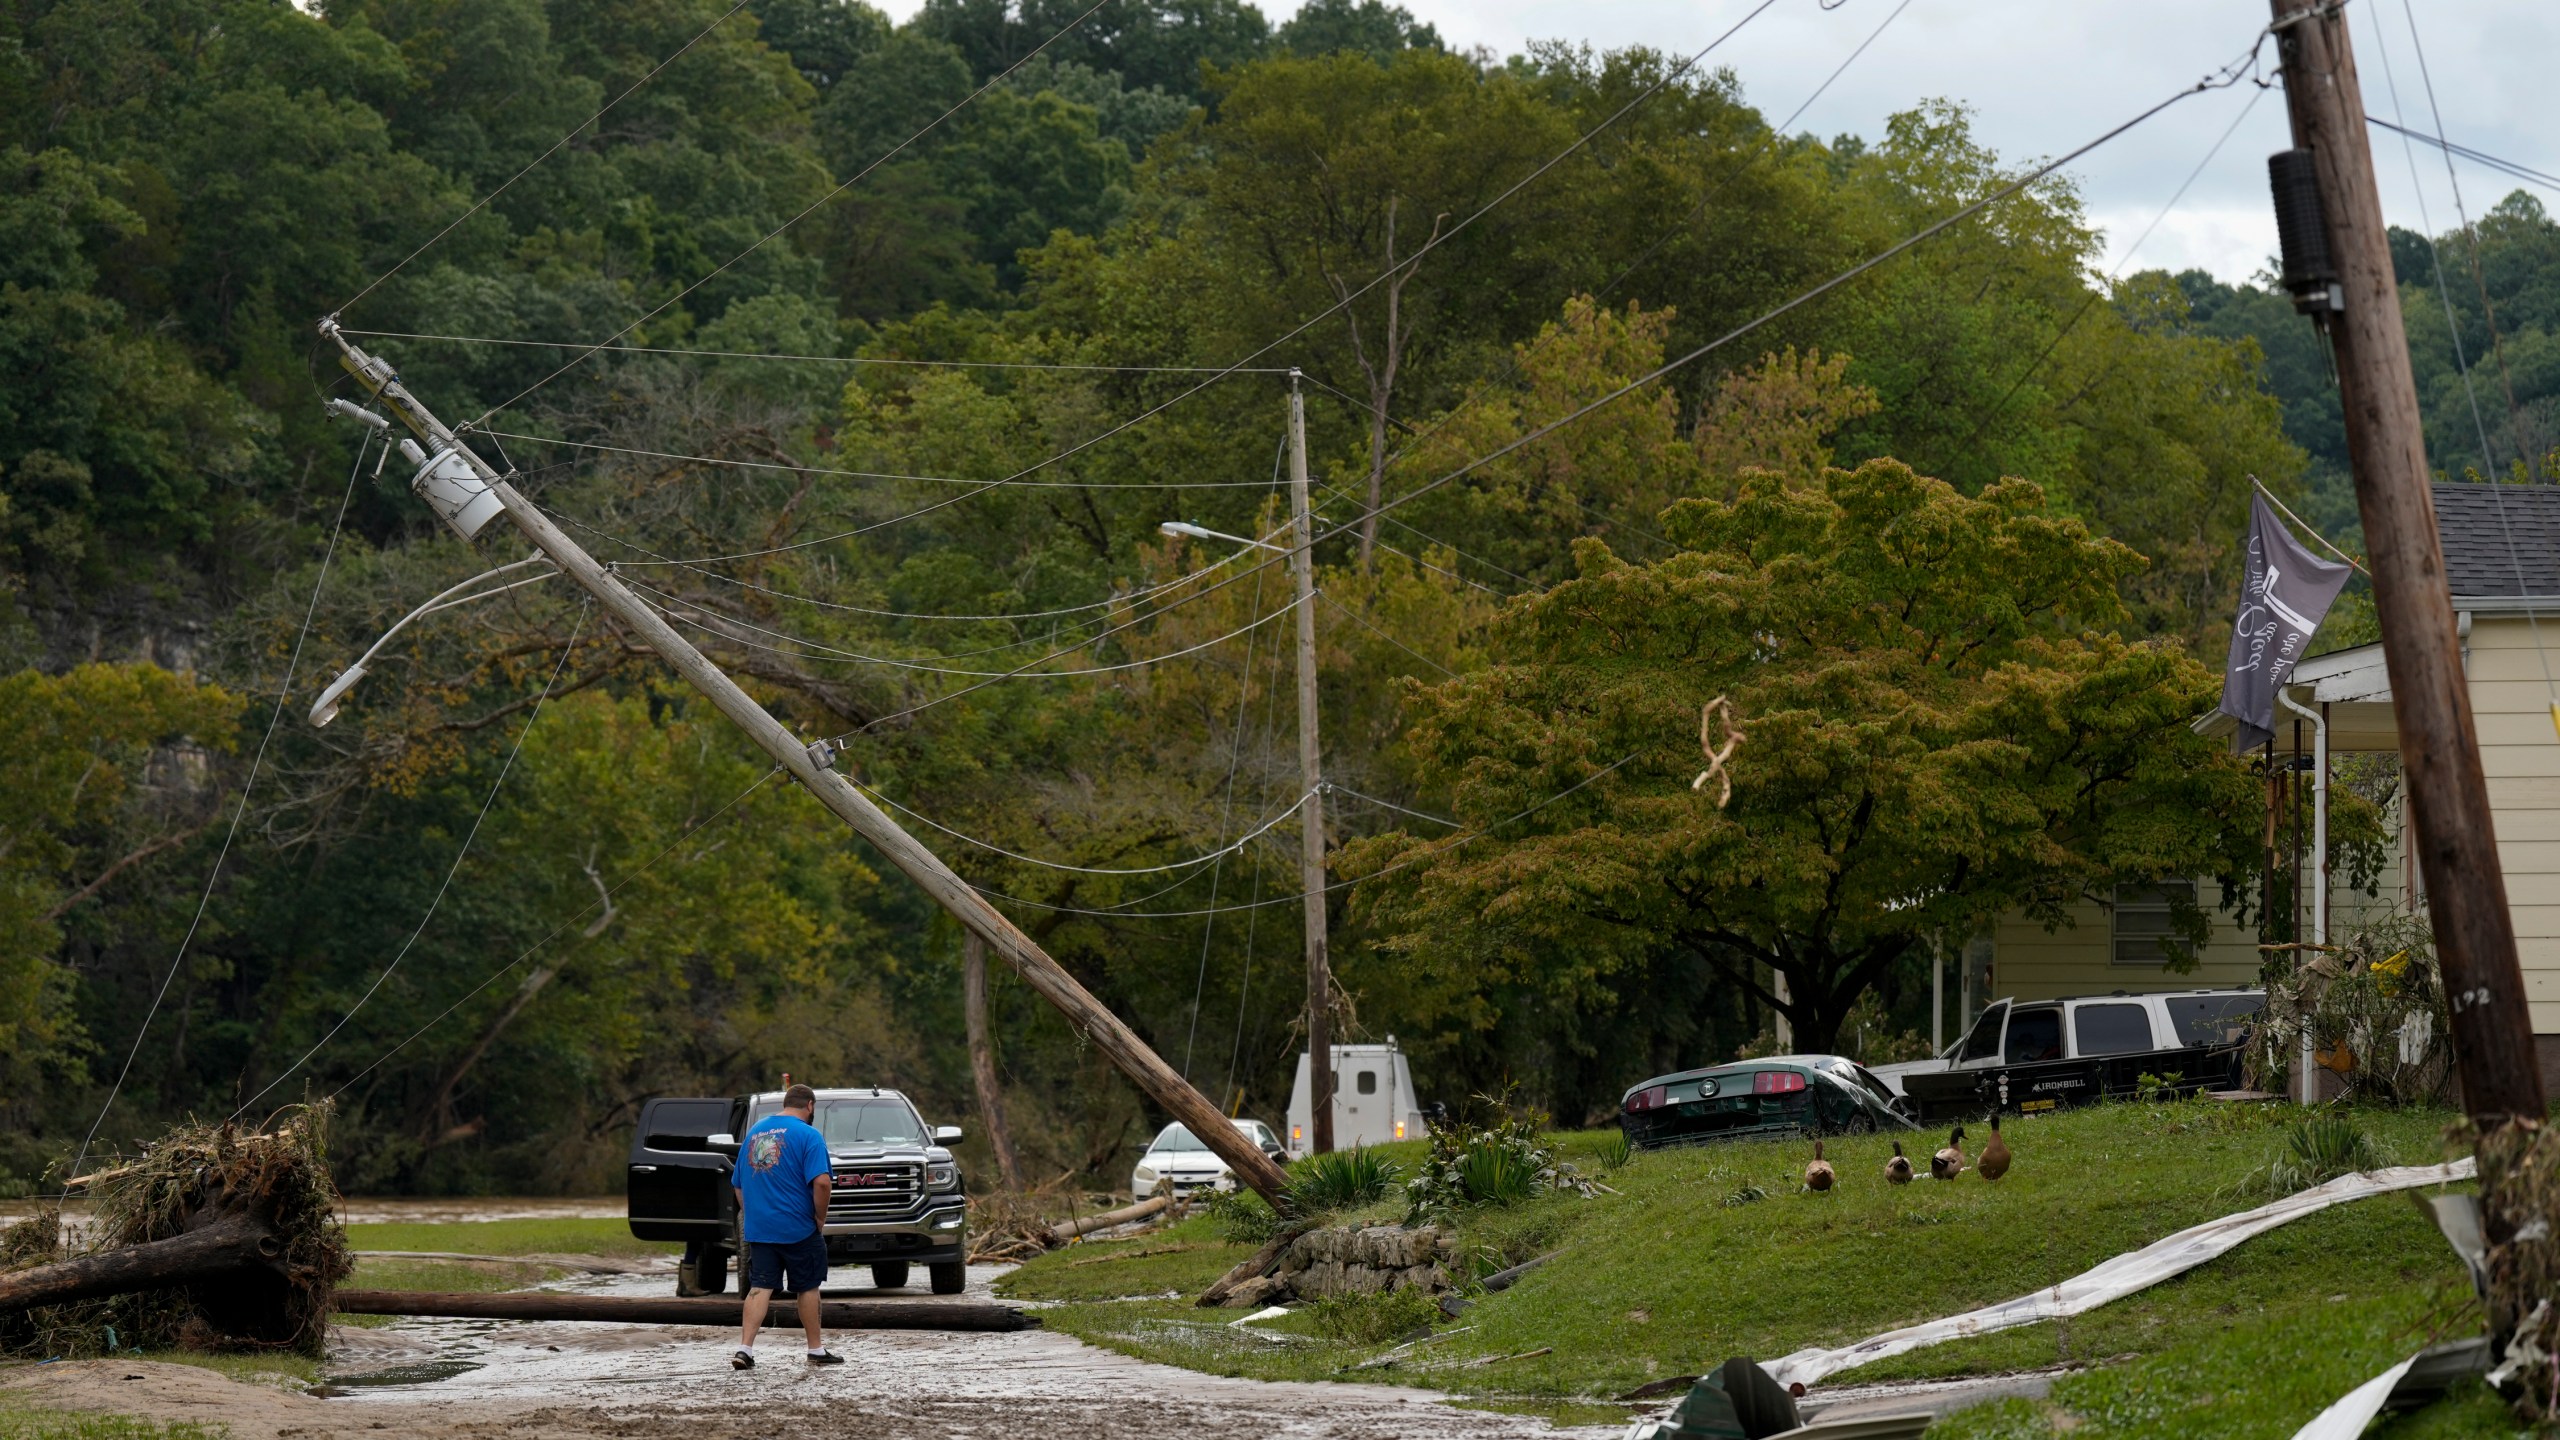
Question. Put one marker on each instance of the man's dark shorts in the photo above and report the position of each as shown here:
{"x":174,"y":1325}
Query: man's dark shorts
{"x":803,"y":1263}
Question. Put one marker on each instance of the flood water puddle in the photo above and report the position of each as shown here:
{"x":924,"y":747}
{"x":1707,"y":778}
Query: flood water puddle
{"x":423,"y":1372}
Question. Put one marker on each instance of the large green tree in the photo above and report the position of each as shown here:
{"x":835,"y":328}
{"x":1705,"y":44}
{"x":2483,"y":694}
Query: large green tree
{"x":1941,"y":728}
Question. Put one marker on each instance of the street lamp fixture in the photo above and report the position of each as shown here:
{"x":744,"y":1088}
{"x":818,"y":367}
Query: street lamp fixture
{"x":1198,"y":532}
{"x":325,"y":709}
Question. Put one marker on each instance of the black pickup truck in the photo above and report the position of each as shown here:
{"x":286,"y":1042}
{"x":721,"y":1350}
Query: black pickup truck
{"x":897,"y":1200}
{"x":2025,"y":1057}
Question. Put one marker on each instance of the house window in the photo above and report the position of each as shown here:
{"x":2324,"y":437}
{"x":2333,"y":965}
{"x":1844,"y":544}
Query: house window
{"x":2121,"y":1028}
{"x":2144,"y":933}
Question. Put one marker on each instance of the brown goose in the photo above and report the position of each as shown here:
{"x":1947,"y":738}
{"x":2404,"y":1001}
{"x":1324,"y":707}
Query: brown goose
{"x":1947,"y":1164}
{"x":1817,"y":1173}
{"x":1995,"y":1153}
{"x":1897,"y":1171}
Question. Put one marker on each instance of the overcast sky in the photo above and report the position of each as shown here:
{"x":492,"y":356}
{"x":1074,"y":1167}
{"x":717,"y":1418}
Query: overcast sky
{"x":2043,"y":76}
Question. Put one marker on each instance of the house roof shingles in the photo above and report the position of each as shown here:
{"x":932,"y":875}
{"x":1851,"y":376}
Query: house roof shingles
{"x":2500,"y":539}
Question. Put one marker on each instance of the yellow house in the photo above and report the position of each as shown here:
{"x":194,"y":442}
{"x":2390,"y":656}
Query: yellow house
{"x":2502,"y":563}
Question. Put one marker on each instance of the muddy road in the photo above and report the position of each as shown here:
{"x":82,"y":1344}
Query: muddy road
{"x":444,"y":1379}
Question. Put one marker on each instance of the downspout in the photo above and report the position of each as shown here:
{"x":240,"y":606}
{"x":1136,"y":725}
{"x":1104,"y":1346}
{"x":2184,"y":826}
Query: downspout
{"x":2319,"y":858}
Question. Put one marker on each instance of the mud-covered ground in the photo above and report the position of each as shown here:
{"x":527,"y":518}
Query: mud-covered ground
{"x":447,"y":1379}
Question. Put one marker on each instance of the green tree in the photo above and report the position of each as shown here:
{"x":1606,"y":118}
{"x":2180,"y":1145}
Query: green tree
{"x":1939,"y":731}
{"x":93,"y":771}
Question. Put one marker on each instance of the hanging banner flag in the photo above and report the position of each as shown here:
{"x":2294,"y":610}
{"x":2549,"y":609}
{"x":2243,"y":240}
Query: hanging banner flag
{"x":2286,"y":592}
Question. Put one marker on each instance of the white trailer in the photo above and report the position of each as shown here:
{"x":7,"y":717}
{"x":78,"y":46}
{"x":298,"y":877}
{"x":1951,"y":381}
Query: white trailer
{"x":1373,"y":1099}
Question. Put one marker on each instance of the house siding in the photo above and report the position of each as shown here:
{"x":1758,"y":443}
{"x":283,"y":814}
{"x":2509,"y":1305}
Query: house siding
{"x":2511,"y":694}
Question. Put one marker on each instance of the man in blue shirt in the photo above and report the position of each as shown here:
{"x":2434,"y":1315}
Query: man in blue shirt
{"x":783,"y":1184}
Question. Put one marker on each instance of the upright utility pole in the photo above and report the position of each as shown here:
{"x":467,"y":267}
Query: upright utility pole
{"x":813,"y":767}
{"x":2430,"y":699}
{"x":1311,"y":774}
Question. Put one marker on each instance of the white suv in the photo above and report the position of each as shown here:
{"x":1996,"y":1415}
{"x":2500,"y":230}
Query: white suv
{"x":1177,"y":1158}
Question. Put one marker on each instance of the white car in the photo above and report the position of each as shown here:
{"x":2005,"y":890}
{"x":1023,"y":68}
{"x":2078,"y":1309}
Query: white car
{"x":1177,"y":1158}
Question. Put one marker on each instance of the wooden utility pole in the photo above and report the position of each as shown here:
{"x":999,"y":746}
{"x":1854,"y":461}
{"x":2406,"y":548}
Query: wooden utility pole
{"x":982,"y":1058}
{"x":813,"y":767}
{"x":2430,"y":698}
{"x":1311,"y":775}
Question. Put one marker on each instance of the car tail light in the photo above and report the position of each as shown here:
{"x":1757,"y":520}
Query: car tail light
{"x":1777,"y":1082}
{"x":1399,"y":1129}
{"x":1649,"y":1099}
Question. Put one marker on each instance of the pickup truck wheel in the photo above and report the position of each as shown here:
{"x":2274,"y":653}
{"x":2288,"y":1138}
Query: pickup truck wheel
{"x":949,"y":1278}
{"x":889,"y":1274}
{"x":704,"y":1270}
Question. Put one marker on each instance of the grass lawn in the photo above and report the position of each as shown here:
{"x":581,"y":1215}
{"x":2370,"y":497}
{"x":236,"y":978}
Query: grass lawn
{"x":510,"y":1237}
{"x":57,"y":1425}
{"x":1665,"y":1279}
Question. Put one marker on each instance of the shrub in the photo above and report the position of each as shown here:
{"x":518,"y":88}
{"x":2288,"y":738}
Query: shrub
{"x":1495,"y":1173}
{"x":1241,"y":1217}
{"x":1501,"y":1162}
{"x":1615,"y":1152}
{"x":1373,"y":1318}
{"x":1340,"y":1180}
{"x":2320,"y":1148}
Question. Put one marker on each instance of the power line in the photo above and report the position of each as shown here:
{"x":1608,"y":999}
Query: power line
{"x":828,"y":359}
{"x":1428,"y":852}
{"x":2471,"y":249}
{"x":1440,"y":238}
{"x":992,"y":848}
{"x":604,"y":897}
{"x":1364,"y":622}
{"x":436,"y":902}
{"x":798,"y":469}
{"x":1872,"y":37}
{"x":284,"y":692}
{"x":2090,"y":301}
{"x":2224,"y":78}
{"x":884,"y":158}
{"x":2497,"y":492}
{"x":1115,"y":602}
{"x":478,"y":205}
{"x":829,"y":652}
{"x":2477,"y":157}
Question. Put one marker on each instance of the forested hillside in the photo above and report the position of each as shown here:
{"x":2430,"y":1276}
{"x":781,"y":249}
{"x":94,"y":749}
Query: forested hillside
{"x":920,"y":332}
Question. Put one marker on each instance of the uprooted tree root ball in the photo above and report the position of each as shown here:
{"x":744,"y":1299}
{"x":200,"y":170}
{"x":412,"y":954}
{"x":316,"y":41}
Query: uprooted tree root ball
{"x":279,"y":1178}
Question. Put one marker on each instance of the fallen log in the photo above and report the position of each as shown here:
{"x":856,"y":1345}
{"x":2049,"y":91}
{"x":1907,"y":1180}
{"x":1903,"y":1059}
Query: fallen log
{"x":710,"y":1310}
{"x":1109,"y":1218}
{"x":221,"y":1245}
{"x":584,"y":1264}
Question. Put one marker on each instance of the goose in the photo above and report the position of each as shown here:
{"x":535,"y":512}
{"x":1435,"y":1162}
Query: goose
{"x":1947,"y":1164}
{"x":1995,"y":1153}
{"x":1897,"y":1171}
{"x":1817,"y":1173}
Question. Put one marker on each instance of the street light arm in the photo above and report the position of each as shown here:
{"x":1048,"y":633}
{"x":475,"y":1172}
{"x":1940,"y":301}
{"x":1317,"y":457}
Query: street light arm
{"x":1202,"y":532}
{"x":325,"y":708}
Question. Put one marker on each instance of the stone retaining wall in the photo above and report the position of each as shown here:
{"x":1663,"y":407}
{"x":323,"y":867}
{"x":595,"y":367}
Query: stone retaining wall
{"x":1354,"y":1261}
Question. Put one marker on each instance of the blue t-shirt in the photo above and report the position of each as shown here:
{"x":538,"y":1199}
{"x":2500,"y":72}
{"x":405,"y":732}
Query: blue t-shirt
{"x":781,"y":1157}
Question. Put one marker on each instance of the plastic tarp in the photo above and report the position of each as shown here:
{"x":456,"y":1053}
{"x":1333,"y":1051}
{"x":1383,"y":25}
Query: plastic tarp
{"x":2121,"y":1276}
{"x":2346,"y":1419}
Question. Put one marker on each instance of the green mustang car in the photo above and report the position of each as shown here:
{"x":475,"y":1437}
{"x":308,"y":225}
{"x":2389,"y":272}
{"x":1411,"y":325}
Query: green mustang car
{"x":1781,"y":1095}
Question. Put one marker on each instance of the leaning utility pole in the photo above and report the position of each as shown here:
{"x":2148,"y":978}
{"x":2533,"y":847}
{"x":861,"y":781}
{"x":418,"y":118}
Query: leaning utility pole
{"x":463,"y":487}
{"x":1311,"y":775}
{"x":2357,"y":302}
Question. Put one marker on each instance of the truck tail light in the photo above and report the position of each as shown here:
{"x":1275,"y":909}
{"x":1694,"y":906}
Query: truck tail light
{"x":1297,"y":1132}
{"x":1399,"y":1129}
{"x":1653,"y":1098}
{"x":1777,"y":1082}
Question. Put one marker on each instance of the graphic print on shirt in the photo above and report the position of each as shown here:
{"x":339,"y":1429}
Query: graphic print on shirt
{"x":764,"y":1151}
